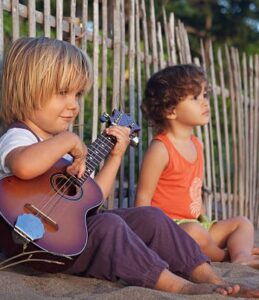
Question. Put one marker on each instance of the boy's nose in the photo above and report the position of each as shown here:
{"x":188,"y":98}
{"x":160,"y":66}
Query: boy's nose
{"x":73,"y":103}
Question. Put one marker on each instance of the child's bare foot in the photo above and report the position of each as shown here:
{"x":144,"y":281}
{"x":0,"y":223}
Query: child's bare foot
{"x":253,"y":264}
{"x":205,"y":274}
{"x":246,"y":292}
{"x":203,"y":288}
{"x":251,"y":261}
{"x":233,"y":290}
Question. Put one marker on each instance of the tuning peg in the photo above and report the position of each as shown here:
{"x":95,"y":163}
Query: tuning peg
{"x":134,"y":140}
{"x":104,"y":118}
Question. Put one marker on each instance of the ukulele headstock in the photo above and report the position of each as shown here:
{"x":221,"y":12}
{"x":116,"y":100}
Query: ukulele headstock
{"x":122,"y":119}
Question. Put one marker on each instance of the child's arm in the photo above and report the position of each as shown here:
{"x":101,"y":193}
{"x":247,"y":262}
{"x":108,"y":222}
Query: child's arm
{"x":106,"y":176}
{"x":203,"y":209}
{"x":154,"y":162}
{"x":31,"y":161}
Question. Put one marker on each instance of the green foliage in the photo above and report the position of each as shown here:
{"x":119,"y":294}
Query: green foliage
{"x":235,"y":22}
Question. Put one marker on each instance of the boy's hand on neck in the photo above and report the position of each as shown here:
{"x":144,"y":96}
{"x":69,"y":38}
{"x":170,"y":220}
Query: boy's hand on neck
{"x":122,"y":139}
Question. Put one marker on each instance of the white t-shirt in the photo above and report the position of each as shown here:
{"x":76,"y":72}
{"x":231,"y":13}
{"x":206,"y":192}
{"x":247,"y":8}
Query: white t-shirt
{"x":14,"y":138}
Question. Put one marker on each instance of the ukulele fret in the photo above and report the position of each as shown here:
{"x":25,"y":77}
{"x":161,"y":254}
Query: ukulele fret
{"x":97,"y":152}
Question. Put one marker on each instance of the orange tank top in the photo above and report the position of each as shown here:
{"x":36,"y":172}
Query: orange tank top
{"x":178,"y":192}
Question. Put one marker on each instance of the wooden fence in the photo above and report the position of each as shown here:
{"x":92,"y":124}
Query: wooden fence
{"x":127,"y":44}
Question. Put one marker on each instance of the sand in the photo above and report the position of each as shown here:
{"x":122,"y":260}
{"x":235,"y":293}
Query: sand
{"x":20,"y":283}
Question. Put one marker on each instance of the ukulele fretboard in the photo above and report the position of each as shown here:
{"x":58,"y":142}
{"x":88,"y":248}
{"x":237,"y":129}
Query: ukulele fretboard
{"x":97,"y":152}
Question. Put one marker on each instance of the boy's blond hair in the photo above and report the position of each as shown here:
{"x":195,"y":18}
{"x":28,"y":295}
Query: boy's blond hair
{"x":35,"y":69}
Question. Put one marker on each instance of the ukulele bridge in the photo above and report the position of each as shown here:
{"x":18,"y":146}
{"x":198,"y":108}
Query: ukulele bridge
{"x":42,"y":216}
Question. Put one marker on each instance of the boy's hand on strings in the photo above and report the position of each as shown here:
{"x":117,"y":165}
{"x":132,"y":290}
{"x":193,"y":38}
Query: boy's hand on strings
{"x":122,"y":136}
{"x":79,"y":152}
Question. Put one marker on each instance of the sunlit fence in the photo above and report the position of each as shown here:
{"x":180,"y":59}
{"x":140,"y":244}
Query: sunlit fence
{"x":127,"y":44}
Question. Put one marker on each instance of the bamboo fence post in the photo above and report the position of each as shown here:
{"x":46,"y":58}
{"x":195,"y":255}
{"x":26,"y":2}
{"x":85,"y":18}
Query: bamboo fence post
{"x":122,"y":198}
{"x":116,"y":72}
{"x":160,"y":46}
{"x":146,"y":57}
{"x":209,"y":172}
{"x":198,"y":128}
{"x":183,"y":43}
{"x":47,"y":20}
{"x":81,"y":116}
{"x":154,"y":51}
{"x":171,"y":32}
{"x":84,"y":24}
{"x":95,"y":68}
{"x":251,"y":166}
{"x":256,"y":131}
{"x":234,"y":135}
{"x":31,"y":18}
{"x":116,"y":55}
{"x":1,"y":32}
{"x":246,"y":136}
{"x":15,"y":20}
{"x":104,"y":58}
{"x":169,"y":59}
{"x":178,"y":43}
{"x":139,"y":85}
{"x":59,"y":19}
{"x":145,"y":37}
{"x":187,"y":45}
{"x":226,"y":131}
{"x":72,"y":21}
{"x":122,"y":57}
{"x":132,"y":99}
{"x":153,"y":36}
{"x":218,"y":131}
{"x":240,"y":134}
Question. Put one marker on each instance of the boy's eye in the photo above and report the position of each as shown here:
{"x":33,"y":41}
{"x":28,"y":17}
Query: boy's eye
{"x":79,"y":94}
{"x":63,"y":92}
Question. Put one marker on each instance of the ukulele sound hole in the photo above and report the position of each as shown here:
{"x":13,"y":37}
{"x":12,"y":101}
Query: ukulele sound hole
{"x":65,"y":186}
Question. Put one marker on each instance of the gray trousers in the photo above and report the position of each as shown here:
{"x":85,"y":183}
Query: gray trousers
{"x":135,"y":245}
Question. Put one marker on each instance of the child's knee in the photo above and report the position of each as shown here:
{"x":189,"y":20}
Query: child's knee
{"x":108,"y":222}
{"x":198,"y":233}
{"x":244,"y":222}
{"x":151,"y":215}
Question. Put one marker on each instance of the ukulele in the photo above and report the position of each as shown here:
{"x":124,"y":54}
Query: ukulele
{"x":49,"y":212}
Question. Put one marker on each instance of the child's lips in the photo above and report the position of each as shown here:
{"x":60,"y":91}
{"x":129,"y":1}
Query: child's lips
{"x":67,"y":118}
{"x":206,"y":113}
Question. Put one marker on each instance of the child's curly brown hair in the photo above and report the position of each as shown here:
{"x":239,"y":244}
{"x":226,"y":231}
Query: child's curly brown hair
{"x":166,"y":88}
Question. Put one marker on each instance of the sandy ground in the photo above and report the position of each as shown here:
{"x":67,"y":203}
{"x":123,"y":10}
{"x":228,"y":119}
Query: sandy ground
{"x":20,"y":283}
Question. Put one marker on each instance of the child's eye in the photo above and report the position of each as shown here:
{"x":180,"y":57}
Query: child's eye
{"x":79,"y":94}
{"x":63,"y":92}
{"x":207,"y":95}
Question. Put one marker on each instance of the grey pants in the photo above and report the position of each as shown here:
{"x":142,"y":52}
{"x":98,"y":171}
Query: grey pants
{"x":136,"y":245}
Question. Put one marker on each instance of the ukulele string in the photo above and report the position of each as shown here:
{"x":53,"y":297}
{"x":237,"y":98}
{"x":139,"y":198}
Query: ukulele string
{"x":53,"y":200}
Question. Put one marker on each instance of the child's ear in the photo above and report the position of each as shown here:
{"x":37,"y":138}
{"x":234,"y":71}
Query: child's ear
{"x":171,"y":115}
